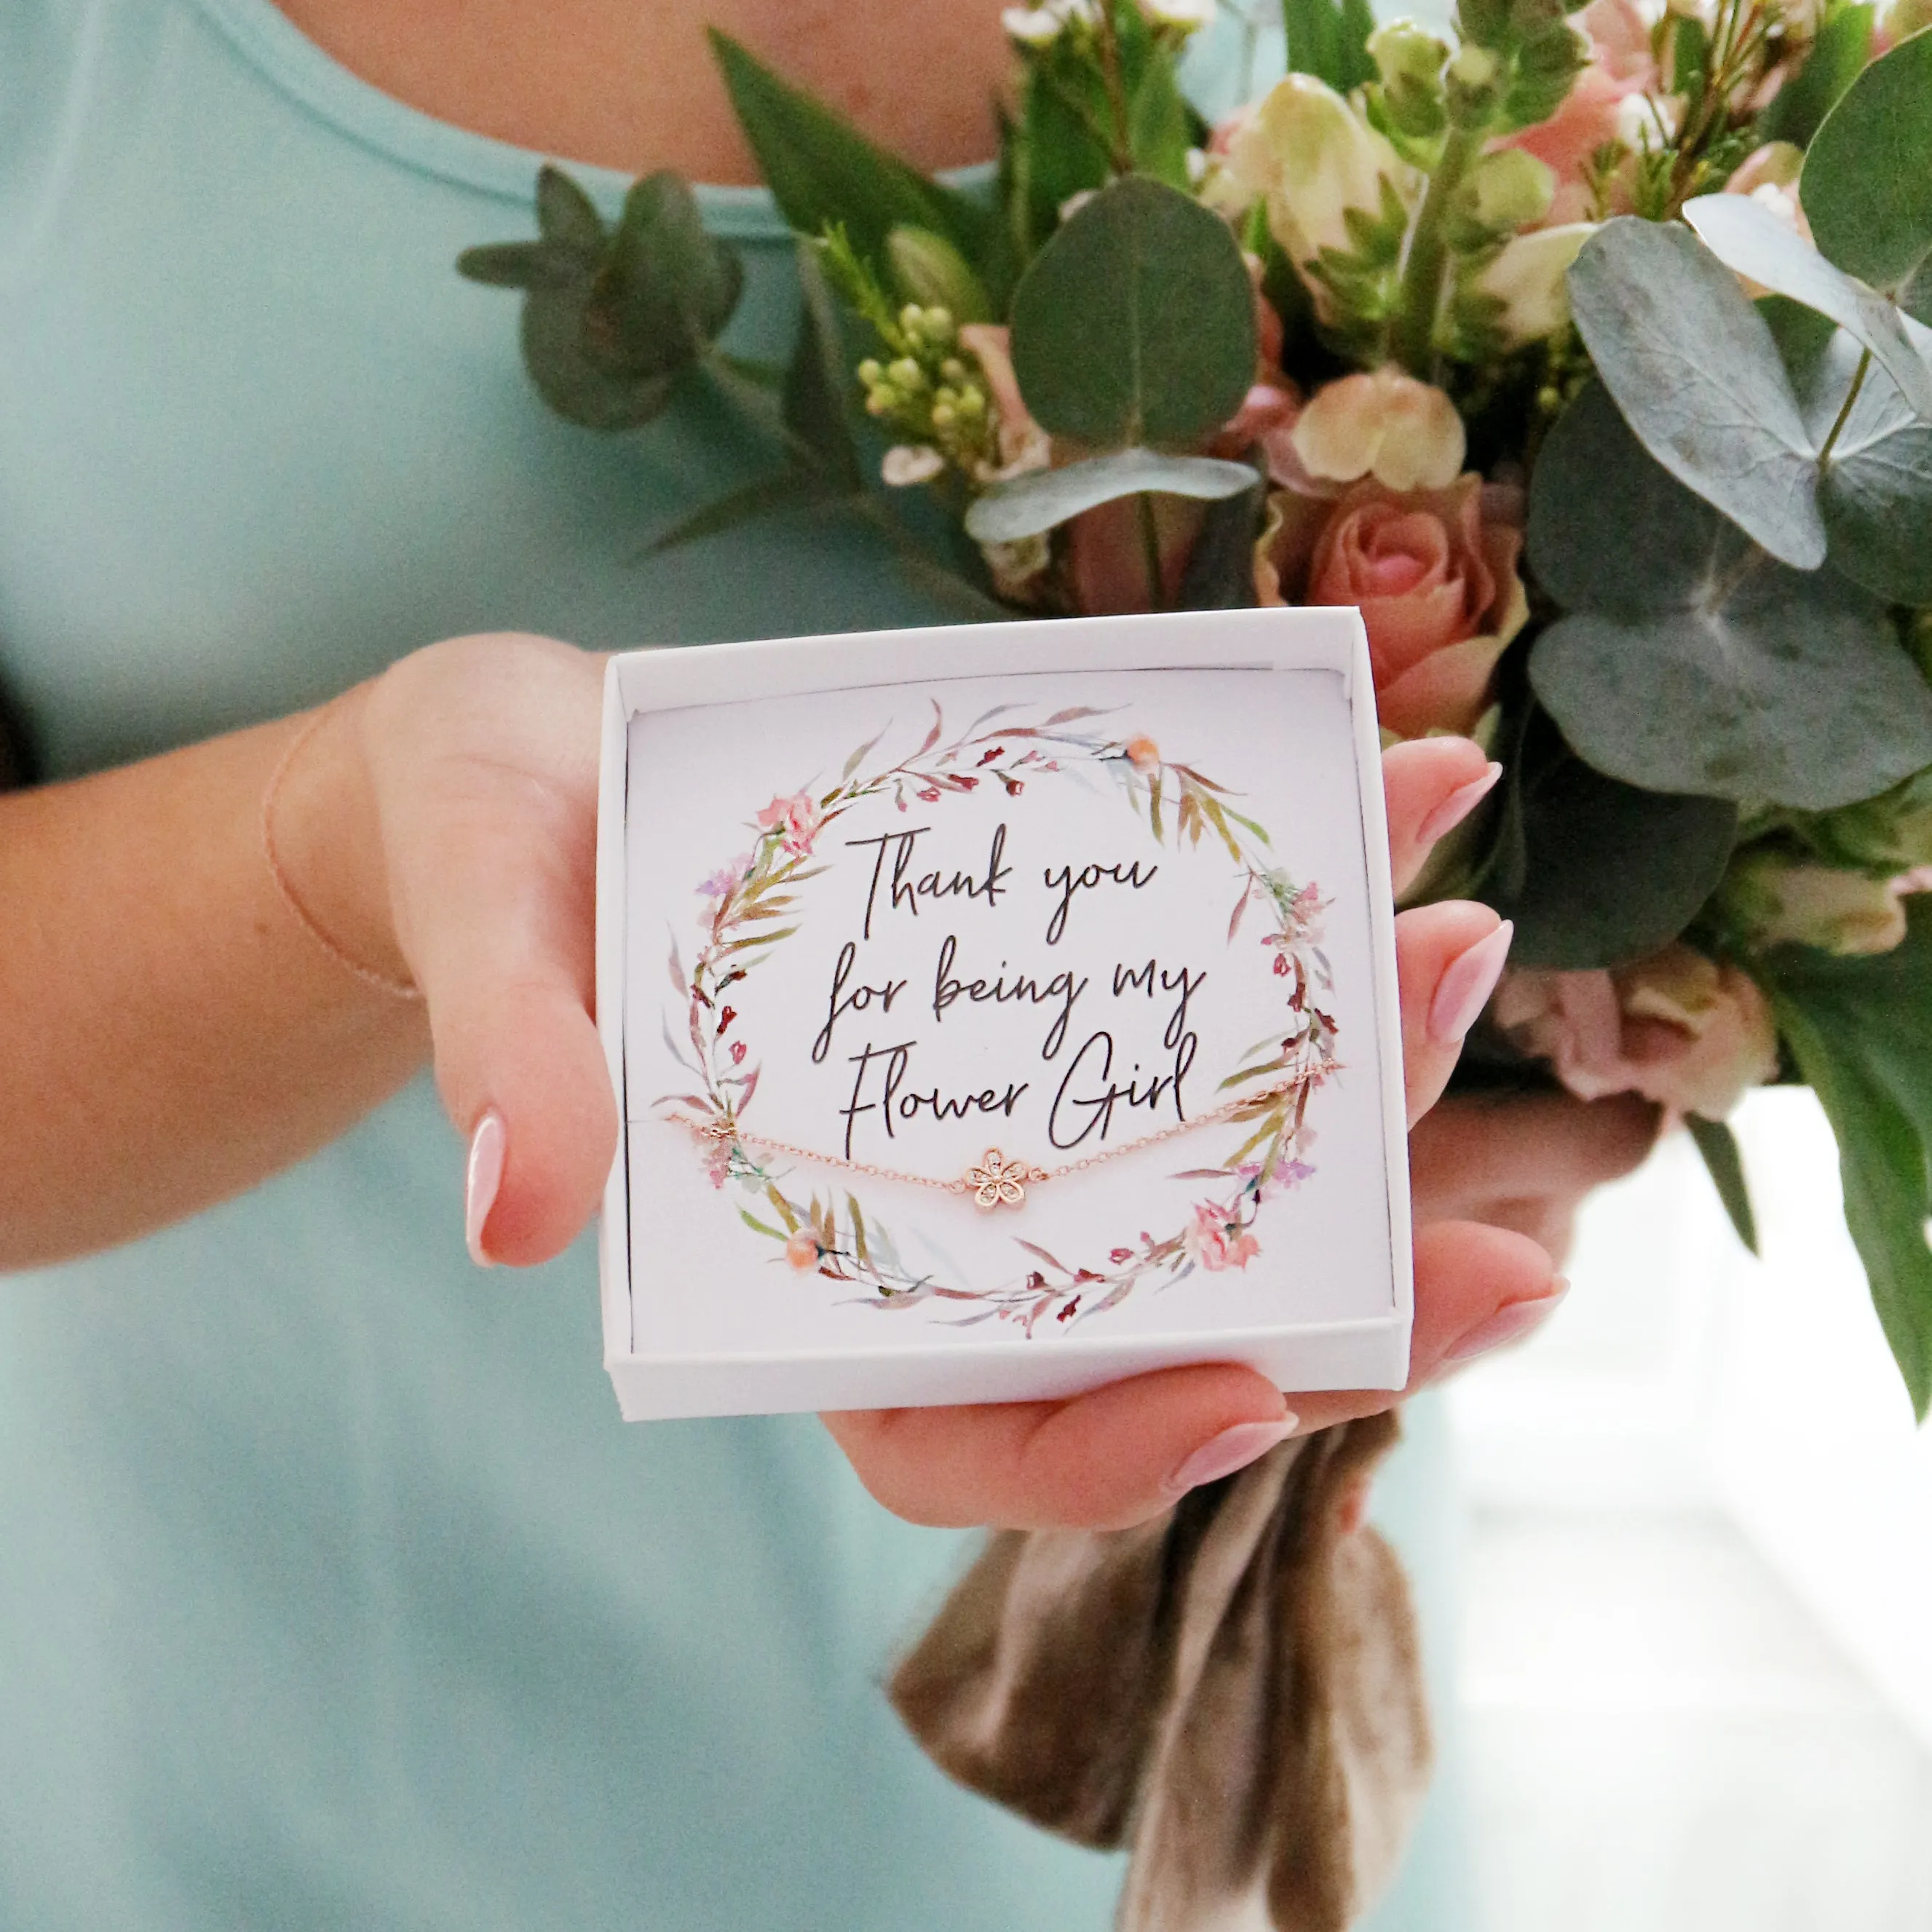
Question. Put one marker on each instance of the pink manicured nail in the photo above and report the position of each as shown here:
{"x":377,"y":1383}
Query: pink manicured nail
{"x":1465,"y":988}
{"x":1508,"y":1323}
{"x":1457,"y":806}
{"x":484,"y":1176}
{"x":1233,"y":1449}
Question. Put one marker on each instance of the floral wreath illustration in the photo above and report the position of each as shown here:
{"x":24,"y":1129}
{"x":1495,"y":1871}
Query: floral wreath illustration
{"x":751,"y":910}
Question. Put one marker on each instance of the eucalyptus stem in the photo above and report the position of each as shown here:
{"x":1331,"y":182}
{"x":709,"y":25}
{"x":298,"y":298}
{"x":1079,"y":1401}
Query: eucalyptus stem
{"x":1845,"y":408}
{"x":1151,"y":552}
{"x":1419,"y":299}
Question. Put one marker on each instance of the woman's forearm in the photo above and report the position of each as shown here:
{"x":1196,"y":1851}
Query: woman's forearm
{"x":170,"y":1032}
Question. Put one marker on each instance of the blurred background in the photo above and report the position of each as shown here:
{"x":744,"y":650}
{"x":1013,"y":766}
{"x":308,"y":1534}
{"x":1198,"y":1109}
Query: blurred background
{"x":1696,"y":1659}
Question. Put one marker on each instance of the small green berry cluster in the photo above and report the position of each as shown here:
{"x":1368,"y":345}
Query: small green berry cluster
{"x":928,"y":392}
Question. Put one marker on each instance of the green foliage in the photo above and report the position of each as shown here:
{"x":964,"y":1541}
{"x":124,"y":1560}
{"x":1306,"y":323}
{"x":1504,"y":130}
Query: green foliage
{"x":1329,"y":39}
{"x":929,"y":271}
{"x":1092,"y":108}
{"x":1690,"y":661}
{"x":1749,"y":238}
{"x":1697,"y":375}
{"x":1861,"y":1031}
{"x":1135,"y":324}
{"x":1875,"y":490}
{"x":821,"y":170}
{"x":1220,"y":571}
{"x":1838,"y":58}
{"x":818,"y":384}
{"x":1867,"y":186}
{"x":1365,"y":279}
{"x":1041,"y":500}
{"x":1594,"y":872}
{"x":666,"y":289}
{"x":1409,"y":104}
{"x":1719,"y":1147}
{"x":1534,"y":55}
{"x":1689,"y":55}
{"x":613,"y":319}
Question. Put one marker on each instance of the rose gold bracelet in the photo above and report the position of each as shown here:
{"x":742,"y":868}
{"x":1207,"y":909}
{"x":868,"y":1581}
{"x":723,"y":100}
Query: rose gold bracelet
{"x":994,"y":1181}
{"x":398,"y":989}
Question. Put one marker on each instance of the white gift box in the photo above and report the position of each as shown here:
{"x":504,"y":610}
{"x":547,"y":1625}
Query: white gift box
{"x":998,"y":1011}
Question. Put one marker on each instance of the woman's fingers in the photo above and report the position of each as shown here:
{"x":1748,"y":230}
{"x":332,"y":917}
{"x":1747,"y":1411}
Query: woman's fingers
{"x":1101,"y":1461}
{"x":1430,"y":785}
{"x":1477,"y":1288}
{"x":1118,"y":1456}
{"x":484,"y":756}
{"x":1448,"y":958}
{"x":1524,"y":1161}
{"x":1476,"y":1149}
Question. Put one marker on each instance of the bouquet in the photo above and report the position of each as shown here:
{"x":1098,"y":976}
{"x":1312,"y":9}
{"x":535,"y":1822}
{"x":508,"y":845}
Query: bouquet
{"x":1585,"y":352}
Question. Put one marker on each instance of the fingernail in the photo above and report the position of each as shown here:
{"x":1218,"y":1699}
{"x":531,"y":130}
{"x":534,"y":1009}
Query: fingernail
{"x":1457,"y":806}
{"x":1466,"y":986}
{"x":1233,"y":1449}
{"x":483,"y":1177}
{"x":1508,"y":1324}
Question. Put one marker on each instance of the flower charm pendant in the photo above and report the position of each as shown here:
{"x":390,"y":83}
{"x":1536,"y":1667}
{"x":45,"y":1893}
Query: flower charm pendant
{"x":998,"y":1182}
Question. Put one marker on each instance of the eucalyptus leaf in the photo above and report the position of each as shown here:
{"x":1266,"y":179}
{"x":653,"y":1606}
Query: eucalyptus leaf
{"x":1694,"y":367}
{"x":510,"y":265}
{"x":1867,"y":187}
{"x":578,"y":383}
{"x":567,"y":218}
{"x":1875,"y":488}
{"x":1135,"y":324}
{"x":1722,"y":1161}
{"x":1030,"y":506}
{"x":1746,"y":236}
{"x":1838,"y":57}
{"x":1603,"y":873}
{"x":819,"y":169}
{"x":1861,"y":1031}
{"x":1692,"y":662}
{"x":1784,"y":686}
{"x":1610,"y":529}
{"x":665,"y":289}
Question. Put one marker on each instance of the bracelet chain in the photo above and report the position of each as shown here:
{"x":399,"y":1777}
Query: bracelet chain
{"x":994,"y":1181}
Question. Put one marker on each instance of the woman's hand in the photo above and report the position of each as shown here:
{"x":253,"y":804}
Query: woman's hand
{"x":1118,"y":1455}
{"x":438,"y":826}
{"x":482,"y":756}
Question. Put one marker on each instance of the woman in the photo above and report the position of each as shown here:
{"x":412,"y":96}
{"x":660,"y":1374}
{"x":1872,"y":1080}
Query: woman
{"x":331,"y":1592}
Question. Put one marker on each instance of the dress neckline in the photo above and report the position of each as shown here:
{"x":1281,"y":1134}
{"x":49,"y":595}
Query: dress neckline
{"x":316,"y":80}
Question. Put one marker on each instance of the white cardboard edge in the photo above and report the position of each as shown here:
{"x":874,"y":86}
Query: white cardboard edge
{"x":1368,"y":1354}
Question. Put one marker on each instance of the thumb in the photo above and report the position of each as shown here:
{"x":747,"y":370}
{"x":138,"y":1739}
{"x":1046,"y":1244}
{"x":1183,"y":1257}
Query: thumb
{"x":487,"y":785}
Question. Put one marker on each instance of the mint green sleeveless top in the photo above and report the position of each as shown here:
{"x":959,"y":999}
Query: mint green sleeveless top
{"x":333,"y":1593}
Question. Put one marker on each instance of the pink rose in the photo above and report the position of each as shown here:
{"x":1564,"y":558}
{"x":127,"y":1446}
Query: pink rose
{"x":1216,"y":1242}
{"x":1678,"y":1027}
{"x":798,"y":818}
{"x":1434,"y":575}
{"x":1593,"y":113}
